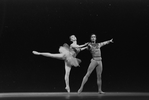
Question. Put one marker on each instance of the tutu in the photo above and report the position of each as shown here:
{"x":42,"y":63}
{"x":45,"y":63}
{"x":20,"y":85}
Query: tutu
{"x":71,"y":61}
{"x":63,"y":50}
{"x":69,"y":55}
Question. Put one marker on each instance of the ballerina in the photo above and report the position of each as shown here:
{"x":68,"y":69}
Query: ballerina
{"x":68,"y":54}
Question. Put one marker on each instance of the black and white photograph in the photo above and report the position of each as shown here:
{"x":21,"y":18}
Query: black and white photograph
{"x":74,"y":49}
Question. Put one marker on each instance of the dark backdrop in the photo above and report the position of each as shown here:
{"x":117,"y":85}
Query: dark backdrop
{"x":44,"y":25}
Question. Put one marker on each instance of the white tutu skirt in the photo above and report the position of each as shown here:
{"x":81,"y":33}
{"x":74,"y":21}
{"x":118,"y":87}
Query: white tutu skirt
{"x":68,"y":56}
{"x":71,"y":61}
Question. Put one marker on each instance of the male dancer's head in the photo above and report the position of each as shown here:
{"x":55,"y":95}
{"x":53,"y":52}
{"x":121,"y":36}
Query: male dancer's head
{"x":93,"y":38}
{"x":73,"y":38}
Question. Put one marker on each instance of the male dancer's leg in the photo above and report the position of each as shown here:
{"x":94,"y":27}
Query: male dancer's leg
{"x":89,"y":71}
{"x":99,"y":72}
{"x":67,"y":73}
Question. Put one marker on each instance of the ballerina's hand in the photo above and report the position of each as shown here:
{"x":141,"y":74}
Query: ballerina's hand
{"x":87,"y":43}
{"x":36,"y":53}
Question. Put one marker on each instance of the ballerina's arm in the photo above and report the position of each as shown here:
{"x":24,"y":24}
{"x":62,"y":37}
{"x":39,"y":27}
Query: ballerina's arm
{"x":84,"y":48}
{"x":78,"y":46}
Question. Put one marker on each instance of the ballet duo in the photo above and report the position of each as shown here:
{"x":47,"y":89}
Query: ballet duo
{"x":69,"y":53}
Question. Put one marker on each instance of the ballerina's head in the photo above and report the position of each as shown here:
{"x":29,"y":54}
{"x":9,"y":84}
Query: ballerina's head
{"x":73,"y":38}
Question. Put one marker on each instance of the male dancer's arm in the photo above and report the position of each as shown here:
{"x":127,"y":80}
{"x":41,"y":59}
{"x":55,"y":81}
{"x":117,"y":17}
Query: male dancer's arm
{"x":105,"y":42}
{"x":88,"y":46}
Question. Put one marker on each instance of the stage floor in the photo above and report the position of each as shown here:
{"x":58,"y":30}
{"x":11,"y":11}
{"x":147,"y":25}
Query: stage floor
{"x":75,"y":96}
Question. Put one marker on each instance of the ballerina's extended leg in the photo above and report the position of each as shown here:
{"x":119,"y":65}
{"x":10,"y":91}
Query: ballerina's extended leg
{"x":57,"y":55}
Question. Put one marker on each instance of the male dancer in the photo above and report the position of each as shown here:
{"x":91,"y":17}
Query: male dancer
{"x":95,"y":62}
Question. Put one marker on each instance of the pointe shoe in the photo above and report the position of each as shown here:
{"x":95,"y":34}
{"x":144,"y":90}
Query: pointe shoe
{"x":68,"y":89}
{"x":35,"y":52}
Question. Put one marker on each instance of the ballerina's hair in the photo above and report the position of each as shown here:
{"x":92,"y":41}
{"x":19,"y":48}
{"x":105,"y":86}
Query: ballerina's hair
{"x":71,"y":36}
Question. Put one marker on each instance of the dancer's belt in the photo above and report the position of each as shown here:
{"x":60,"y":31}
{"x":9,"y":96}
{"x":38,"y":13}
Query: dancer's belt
{"x":97,"y":58}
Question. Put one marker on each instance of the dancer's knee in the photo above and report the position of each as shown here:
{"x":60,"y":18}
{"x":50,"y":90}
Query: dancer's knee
{"x":98,"y":79}
{"x":99,"y":76}
{"x":99,"y":82}
{"x":87,"y":75}
{"x":66,"y":76}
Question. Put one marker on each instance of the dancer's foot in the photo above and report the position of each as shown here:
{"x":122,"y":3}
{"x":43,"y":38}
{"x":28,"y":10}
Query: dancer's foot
{"x":35,"y":52}
{"x":101,"y":92}
{"x":80,"y":90}
{"x":68,"y":89}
